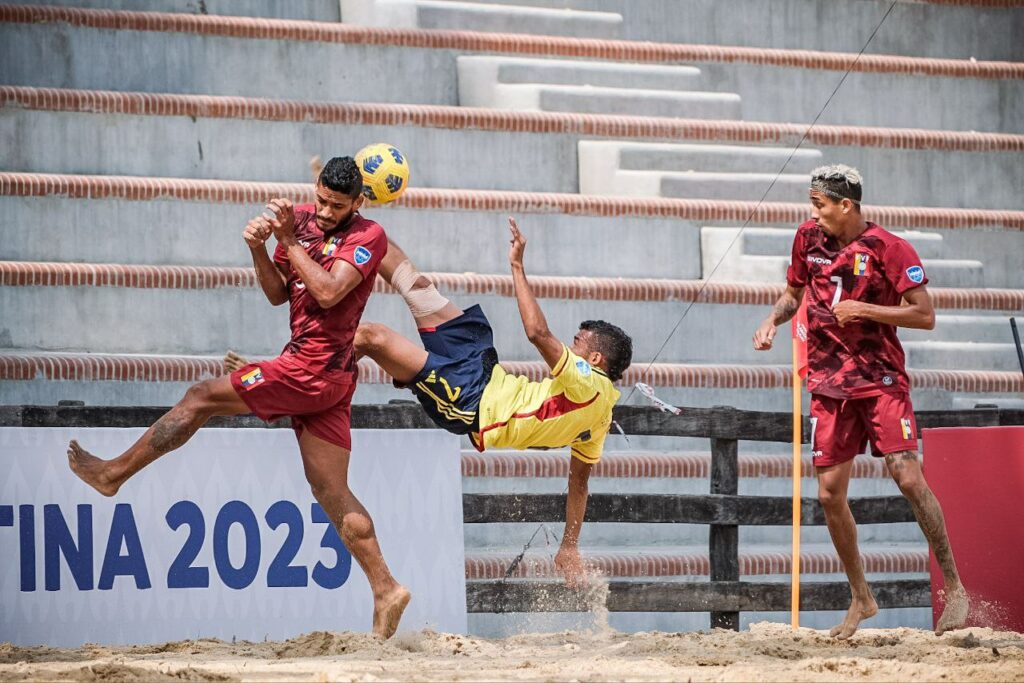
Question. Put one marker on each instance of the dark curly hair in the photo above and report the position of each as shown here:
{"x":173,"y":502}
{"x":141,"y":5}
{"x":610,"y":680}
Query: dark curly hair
{"x":341,"y":174}
{"x":612,"y":343}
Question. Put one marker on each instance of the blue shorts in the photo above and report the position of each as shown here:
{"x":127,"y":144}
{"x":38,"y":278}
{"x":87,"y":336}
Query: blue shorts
{"x":460,"y":359}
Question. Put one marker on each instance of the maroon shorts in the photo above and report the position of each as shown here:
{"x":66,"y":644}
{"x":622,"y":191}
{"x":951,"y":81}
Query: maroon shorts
{"x":841,"y":428}
{"x":282,"y":388}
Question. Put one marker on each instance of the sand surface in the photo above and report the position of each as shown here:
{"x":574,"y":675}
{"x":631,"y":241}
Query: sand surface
{"x":765,"y":652}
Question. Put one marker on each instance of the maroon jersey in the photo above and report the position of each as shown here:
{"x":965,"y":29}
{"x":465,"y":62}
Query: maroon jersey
{"x":864,"y":358}
{"x":322,"y":337}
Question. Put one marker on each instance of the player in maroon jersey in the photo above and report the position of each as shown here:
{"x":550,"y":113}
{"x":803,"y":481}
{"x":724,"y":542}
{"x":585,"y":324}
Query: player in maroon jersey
{"x":862,"y":282}
{"x":325,"y":265}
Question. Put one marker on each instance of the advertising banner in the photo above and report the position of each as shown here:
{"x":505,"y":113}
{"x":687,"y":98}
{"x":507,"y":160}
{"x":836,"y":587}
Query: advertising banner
{"x":221,"y":538}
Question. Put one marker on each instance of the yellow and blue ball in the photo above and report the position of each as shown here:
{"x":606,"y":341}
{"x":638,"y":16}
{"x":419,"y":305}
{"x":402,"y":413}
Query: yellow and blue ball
{"x":385,"y":172}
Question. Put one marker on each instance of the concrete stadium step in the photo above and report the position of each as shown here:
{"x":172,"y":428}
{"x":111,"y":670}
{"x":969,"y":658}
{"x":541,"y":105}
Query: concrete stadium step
{"x":695,"y":171}
{"x":44,"y":378}
{"x":745,"y":255}
{"x":970,"y":30}
{"x":779,"y":242}
{"x":201,"y":50}
{"x":473,"y":16}
{"x":210,"y":137}
{"x":599,"y":159}
{"x":938,"y":353}
{"x":693,"y":561}
{"x":589,"y":99}
{"x":981,"y":328}
{"x":227,"y":308}
{"x":478,"y":74}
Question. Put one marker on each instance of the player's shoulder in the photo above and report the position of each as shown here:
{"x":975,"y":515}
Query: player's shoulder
{"x":808,"y":225}
{"x":369,"y":229}
{"x":304,"y":210}
{"x":881,"y":239}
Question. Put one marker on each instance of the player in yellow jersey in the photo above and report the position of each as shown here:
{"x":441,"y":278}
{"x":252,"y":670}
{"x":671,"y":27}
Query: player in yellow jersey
{"x":456,"y":377}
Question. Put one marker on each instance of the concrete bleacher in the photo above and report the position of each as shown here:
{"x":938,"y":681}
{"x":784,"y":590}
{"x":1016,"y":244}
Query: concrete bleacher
{"x":630,"y":166}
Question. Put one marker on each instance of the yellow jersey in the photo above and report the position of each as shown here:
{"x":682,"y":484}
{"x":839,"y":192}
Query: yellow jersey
{"x":572,"y":408}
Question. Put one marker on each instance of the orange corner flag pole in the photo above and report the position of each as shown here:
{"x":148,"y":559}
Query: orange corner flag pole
{"x":799,"y":328}
{"x":797,"y":434}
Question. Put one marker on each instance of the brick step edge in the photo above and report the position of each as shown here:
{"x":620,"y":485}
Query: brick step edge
{"x":508,"y":43}
{"x":58,"y":274}
{"x":617,"y":126}
{"x":25,"y":366}
{"x":532,"y":465}
{"x":494,"y":566}
{"x":698,"y":210}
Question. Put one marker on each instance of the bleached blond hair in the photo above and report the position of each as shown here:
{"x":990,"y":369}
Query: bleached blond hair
{"x":838,"y":181}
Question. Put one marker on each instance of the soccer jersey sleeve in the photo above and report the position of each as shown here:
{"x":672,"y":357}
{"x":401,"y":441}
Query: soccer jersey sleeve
{"x":903,"y":267}
{"x":364,"y":249}
{"x":796,"y":276}
{"x":589,"y":451}
{"x":574,"y":376}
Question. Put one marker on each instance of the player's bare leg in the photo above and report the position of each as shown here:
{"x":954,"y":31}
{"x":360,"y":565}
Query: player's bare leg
{"x":396,"y":355}
{"x":833,"y":483}
{"x":201,"y":402}
{"x":326,"y":467}
{"x":427,"y":306}
{"x":905,"y":468}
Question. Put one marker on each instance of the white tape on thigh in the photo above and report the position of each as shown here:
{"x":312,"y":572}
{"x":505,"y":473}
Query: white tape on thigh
{"x":422,"y":301}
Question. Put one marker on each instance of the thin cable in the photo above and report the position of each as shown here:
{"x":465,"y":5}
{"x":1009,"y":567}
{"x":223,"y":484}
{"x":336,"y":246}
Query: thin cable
{"x":519,"y":558}
{"x":753,"y":211}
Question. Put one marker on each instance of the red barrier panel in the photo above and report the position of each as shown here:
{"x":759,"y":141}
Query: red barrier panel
{"x":978,"y":476}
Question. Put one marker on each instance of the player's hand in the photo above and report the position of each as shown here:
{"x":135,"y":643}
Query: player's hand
{"x":569,"y":564}
{"x":282,"y":218}
{"x":847,"y":311}
{"x":515,"y":252}
{"x":257,"y":232}
{"x":764,"y":335}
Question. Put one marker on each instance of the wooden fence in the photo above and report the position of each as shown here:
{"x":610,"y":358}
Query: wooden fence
{"x":724,"y":596}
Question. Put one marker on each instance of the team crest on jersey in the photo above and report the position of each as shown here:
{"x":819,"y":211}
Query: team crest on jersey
{"x":915,"y":274}
{"x":252,"y":378}
{"x":908,"y":433}
{"x":860,"y":263}
{"x":330,"y":246}
{"x":361,"y":255}
{"x":583,"y":367}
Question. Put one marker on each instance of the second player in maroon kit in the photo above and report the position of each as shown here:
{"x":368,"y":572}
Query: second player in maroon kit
{"x":861,"y":283}
{"x":855,"y":361}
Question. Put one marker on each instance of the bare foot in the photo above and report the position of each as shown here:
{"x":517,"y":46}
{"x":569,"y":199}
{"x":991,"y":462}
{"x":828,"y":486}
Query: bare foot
{"x":232,"y":362}
{"x":858,"y":612}
{"x":387,"y":612}
{"x":954,"y":614}
{"x":90,"y":469}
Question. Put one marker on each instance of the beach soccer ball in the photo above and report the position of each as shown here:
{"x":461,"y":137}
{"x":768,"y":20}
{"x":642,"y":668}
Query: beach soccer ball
{"x":385,"y":172}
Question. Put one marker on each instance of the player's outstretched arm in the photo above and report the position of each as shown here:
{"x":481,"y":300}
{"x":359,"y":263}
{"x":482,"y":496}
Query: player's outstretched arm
{"x":784,"y":309}
{"x":534,"y":322}
{"x":272,"y":281}
{"x":326,"y":287}
{"x":917,"y":311}
{"x":568,"y":561}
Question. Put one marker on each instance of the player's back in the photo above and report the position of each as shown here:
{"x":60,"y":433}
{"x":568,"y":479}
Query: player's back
{"x":572,"y":408}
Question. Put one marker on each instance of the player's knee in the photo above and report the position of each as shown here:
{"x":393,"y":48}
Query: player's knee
{"x":370,"y":337}
{"x":911,"y":484}
{"x":830,"y":499}
{"x":199,"y":396}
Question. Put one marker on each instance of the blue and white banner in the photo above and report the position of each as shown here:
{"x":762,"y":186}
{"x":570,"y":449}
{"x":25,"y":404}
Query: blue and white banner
{"x":221,"y":538}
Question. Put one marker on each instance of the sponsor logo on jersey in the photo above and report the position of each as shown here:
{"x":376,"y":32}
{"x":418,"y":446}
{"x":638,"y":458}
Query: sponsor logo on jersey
{"x":583,"y":436}
{"x":816,"y":454}
{"x":819,"y":260}
{"x":916,"y":274}
{"x":305,"y":245}
{"x":908,"y":433}
{"x":583,"y":367}
{"x":887,"y":381}
{"x":330,"y":246}
{"x":299,"y":284}
{"x":252,"y":378}
{"x":361,"y":255}
{"x":860,"y":264}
